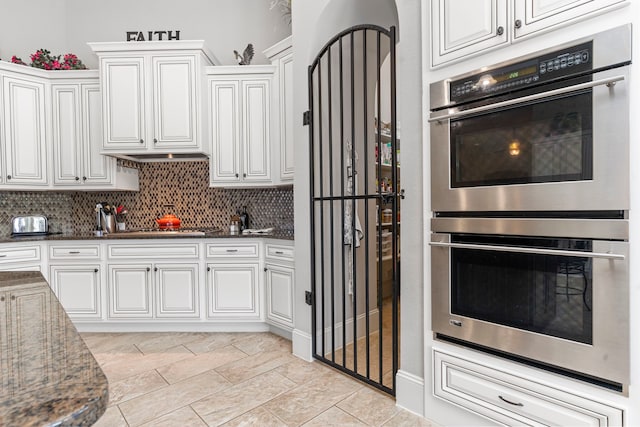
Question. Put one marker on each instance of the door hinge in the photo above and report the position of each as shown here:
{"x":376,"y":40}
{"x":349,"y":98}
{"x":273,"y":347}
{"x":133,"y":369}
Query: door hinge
{"x":308,"y":297}
{"x":306,"y":118}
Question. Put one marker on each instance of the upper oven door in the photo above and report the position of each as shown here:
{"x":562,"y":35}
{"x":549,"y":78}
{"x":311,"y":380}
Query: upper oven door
{"x":561,"y":150}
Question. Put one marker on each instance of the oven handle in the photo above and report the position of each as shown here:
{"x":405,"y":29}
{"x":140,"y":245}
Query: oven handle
{"x":608,"y":81}
{"x":529,"y":250}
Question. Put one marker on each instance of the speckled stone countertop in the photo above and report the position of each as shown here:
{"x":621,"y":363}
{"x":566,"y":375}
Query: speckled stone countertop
{"x":48,"y":376}
{"x":208,"y":234}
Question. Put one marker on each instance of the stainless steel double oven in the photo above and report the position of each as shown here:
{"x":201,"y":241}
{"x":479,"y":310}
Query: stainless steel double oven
{"x":530,"y":193}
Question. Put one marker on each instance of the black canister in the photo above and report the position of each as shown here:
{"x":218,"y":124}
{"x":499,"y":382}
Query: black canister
{"x":244,"y":219}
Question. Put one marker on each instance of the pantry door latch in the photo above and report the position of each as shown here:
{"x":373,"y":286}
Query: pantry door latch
{"x":306,"y":118}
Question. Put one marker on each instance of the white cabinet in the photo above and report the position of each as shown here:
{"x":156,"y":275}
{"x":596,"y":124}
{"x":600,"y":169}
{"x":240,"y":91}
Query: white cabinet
{"x":462,"y":28}
{"x":130,"y":293}
{"x":20,"y":257}
{"x":509,"y":399}
{"x":177,"y":290}
{"x":152,"y":97}
{"x":234,"y":285}
{"x":78,"y":288}
{"x":240,"y":122}
{"x":279,"y":285}
{"x":77,"y":137}
{"x":23,"y":143}
{"x":281,"y":56}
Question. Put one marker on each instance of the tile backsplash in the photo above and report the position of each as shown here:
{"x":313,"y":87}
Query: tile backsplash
{"x":180,"y":188}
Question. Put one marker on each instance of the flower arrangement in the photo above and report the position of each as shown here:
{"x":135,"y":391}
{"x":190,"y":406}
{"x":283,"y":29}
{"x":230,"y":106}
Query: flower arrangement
{"x":285,"y":8}
{"x":121,"y":213}
{"x":43,"y":59}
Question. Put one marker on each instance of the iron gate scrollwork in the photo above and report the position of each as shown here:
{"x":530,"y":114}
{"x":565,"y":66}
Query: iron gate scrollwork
{"x":354,"y":180}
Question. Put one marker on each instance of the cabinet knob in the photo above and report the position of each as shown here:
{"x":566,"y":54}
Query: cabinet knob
{"x":208,"y":268}
{"x":84,"y":178}
{"x":244,"y":175}
{"x":13,"y":297}
{"x":155,"y":268}
{"x":1,"y":299}
{"x":77,"y":178}
{"x":8,"y":176}
{"x":236,"y":176}
{"x":500,"y":31}
{"x":155,"y":140}
{"x":95,"y":270}
{"x":265,"y":269}
{"x":148,"y":268}
{"x":518,"y":23}
{"x":141,"y":141}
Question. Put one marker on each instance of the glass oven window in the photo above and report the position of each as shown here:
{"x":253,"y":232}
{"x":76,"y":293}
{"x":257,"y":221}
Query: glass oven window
{"x":538,"y":142}
{"x":546,"y":294}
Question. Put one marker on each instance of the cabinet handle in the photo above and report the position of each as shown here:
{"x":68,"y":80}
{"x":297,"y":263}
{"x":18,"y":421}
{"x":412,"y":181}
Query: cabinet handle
{"x":208,"y":268}
{"x":232,"y":250}
{"x":95,"y":270}
{"x":74,"y":252}
{"x":500,"y":30}
{"x":1,"y":299}
{"x":265,"y":269}
{"x":77,"y":178}
{"x":237,"y":176}
{"x":279,"y":253}
{"x":518,"y":23}
{"x":141,"y":141}
{"x":84,"y":178}
{"x":510,"y":402}
{"x":155,"y":268}
{"x":13,"y":297}
{"x":155,"y":140}
{"x":244,"y":175}
{"x":8,"y":176}
{"x":3,"y":255}
{"x":148,"y":268}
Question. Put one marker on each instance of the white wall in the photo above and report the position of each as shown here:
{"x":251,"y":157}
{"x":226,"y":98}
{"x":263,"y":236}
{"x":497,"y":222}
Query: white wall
{"x":64,"y":26}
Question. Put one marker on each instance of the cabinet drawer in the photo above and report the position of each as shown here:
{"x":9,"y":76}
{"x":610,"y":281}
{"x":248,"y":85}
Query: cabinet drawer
{"x":174,"y":251}
{"x":19,"y":254}
{"x":280,"y":252}
{"x":510,"y":399}
{"x":74,"y":252}
{"x":244,"y":250}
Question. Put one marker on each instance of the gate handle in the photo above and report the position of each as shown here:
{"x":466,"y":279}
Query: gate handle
{"x":529,"y":250}
{"x":608,"y":81}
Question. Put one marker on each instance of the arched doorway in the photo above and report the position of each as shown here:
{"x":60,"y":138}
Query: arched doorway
{"x":355,"y":204}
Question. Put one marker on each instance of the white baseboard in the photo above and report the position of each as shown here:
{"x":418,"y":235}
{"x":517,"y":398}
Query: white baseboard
{"x":410,"y":392}
{"x":302,"y":345}
{"x":337,"y":329}
{"x":170,"y":327}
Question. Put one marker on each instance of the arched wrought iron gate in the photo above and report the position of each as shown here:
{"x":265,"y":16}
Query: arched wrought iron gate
{"x":354,"y":179}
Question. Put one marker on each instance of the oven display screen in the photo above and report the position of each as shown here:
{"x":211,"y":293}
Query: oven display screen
{"x":522,"y":72}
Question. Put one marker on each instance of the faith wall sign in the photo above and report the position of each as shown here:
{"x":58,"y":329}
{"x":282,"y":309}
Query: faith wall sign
{"x":147,"y":36}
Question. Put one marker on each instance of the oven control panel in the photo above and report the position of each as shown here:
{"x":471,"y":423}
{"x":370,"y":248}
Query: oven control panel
{"x":523,"y":74}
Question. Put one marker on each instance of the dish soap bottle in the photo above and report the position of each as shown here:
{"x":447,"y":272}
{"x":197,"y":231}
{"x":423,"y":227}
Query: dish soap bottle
{"x":244,"y":219}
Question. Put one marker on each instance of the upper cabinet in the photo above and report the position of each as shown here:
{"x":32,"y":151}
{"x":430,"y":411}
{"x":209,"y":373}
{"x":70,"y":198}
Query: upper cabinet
{"x":462,"y":28}
{"x":240,"y":105}
{"x":23,"y":131}
{"x":281,"y":56}
{"x":153,"y":97}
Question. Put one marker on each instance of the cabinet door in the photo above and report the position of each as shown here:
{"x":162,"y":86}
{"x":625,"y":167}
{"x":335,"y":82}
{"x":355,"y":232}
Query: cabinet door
{"x":177,"y":290}
{"x":78,"y":288}
{"x":174,"y":102}
{"x":233,"y":291}
{"x":255,"y":130}
{"x":531,"y":16}
{"x":287,"y":160}
{"x":123,"y":103}
{"x":460,"y":28}
{"x":130,"y":292}
{"x":67,"y":168}
{"x":98,"y":169}
{"x":224,"y":106}
{"x":280,"y":286}
{"x":30,"y":314}
{"x":25,"y":132}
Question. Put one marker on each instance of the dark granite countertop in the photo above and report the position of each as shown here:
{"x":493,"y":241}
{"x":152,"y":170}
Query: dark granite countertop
{"x":48,"y":376}
{"x":215,"y":234}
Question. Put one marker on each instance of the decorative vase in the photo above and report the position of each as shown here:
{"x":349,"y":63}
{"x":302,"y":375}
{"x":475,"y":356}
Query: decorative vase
{"x":121,"y":226}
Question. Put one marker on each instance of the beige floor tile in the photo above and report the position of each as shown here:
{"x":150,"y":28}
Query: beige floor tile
{"x":111,"y":418}
{"x":311,"y":399}
{"x":134,"y":386}
{"x":251,"y":366}
{"x":257,"y":417}
{"x":263,"y":342}
{"x":163,"y":401}
{"x":371,"y":406}
{"x":183,"y":417}
{"x":234,"y":401}
{"x":200,"y":363}
{"x":212,"y":341}
{"x":406,"y":418}
{"x":334,"y":417}
{"x":160,"y":341}
{"x":300,"y":371}
{"x":123,"y":365}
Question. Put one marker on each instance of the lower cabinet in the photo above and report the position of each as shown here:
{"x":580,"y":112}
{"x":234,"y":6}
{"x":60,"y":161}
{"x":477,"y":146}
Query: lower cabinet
{"x":509,"y":399}
{"x":78,"y":288}
{"x":233,"y":291}
{"x":279,"y":294}
{"x":149,"y":290}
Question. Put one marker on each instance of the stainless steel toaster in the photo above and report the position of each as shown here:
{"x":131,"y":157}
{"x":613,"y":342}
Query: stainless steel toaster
{"x":29,"y":224}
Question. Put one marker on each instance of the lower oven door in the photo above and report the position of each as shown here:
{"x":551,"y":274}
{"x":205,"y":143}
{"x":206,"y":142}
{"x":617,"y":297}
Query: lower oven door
{"x":561,"y":302}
